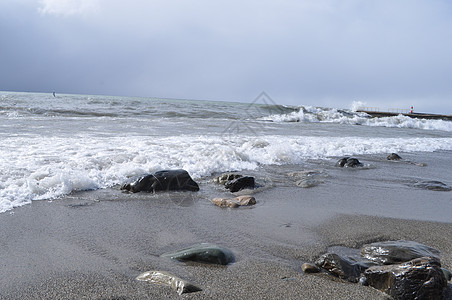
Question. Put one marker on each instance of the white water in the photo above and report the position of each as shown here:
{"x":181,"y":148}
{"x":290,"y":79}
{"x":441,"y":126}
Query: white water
{"x":315,"y":114}
{"x":34,"y":168}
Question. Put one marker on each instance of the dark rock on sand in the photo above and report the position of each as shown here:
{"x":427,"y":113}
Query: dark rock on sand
{"x":310,"y":268}
{"x":164,"y":278}
{"x":342,"y":266}
{"x":393,"y":156}
{"x":420,"y":278}
{"x":240,"y":183}
{"x":349,"y":162}
{"x":393,"y":252}
{"x":433,"y":186}
{"x":203,"y":253}
{"x":165,"y":180}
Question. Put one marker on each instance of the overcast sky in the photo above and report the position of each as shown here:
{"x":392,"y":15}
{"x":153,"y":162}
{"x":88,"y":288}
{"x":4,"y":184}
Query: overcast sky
{"x":386,"y":53}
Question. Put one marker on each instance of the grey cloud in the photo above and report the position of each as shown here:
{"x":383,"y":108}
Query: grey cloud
{"x":300,"y":52}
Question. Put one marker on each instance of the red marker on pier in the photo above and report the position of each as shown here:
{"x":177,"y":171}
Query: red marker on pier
{"x":411,"y":110}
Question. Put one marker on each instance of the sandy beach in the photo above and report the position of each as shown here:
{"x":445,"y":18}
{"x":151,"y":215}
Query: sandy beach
{"x":92,"y":245}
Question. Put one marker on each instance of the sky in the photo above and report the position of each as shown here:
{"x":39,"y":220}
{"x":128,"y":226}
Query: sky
{"x":385,"y":53}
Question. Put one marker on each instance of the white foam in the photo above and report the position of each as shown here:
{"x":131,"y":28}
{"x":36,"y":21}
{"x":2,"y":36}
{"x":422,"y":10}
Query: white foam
{"x":37,"y":169}
{"x":312,"y":114}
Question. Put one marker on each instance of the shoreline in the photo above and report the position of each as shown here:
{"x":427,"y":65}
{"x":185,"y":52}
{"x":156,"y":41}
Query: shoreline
{"x":80,"y":248}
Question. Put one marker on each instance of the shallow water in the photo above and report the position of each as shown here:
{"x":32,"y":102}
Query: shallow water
{"x":55,"y":146}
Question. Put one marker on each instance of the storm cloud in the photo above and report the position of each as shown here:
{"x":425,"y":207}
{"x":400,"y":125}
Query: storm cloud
{"x":310,"y":52}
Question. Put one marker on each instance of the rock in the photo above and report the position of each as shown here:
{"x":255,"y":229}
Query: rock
{"x":165,"y":180}
{"x":310,"y":268}
{"x":433,"y":186}
{"x":240,"y":183}
{"x":393,"y":252}
{"x":308,"y":178}
{"x":393,"y":156}
{"x":349,"y":162}
{"x":224,"y":202}
{"x":223,"y":178}
{"x":245,"y":200}
{"x":341,"y":162}
{"x":447,"y":274}
{"x":342,"y":266}
{"x":420,"y":278}
{"x":307,"y":183}
{"x":164,"y":278}
{"x":203,"y":253}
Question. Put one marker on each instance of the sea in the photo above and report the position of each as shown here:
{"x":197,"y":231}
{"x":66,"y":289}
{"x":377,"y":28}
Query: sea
{"x":52,"y":146}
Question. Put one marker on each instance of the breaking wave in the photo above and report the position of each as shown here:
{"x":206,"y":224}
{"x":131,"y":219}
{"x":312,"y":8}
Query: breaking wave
{"x":308,"y":114}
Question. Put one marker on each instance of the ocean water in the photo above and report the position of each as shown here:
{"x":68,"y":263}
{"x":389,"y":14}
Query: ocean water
{"x":54,"y":146}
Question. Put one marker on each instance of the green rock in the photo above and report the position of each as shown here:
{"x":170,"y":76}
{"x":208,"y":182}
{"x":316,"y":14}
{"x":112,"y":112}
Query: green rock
{"x":447,"y":274}
{"x":203,"y":253}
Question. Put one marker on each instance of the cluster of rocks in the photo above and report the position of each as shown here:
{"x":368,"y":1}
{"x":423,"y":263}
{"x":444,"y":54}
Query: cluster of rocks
{"x":201,"y":253}
{"x":401,"y":269}
{"x":349,"y":162}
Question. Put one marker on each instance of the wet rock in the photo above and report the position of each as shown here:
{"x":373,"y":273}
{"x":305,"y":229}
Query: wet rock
{"x":393,"y":156}
{"x":224,"y":202}
{"x":310,"y":268}
{"x":165,"y":180}
{"x":342,"y":266}
{"x":433,"y":186}
{"x":307,"y":183}
{"x":223,"y":178}
{"x":349,"y":162}
{"x":447,"y":274}
{"x":393,"y":252}
{"x":244,"y":200}
{"x":164,"y":278}
{"x":341,"y":162}
{"x":240,"y":184}
{"x":420,"y":278}
{"x":308,"y":178}
{"x":203,"y":253}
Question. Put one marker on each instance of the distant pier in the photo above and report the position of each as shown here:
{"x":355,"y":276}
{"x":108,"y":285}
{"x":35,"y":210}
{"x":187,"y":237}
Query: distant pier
{"x":406,"y":112}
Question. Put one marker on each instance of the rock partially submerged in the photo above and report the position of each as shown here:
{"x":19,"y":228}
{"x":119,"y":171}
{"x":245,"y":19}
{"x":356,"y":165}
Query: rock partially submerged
{"x":203,"y":253}
{"x":393,"y":156}
{"x":433,"y":186}
{"x":240,"y":184}
{"x":308,"y":178}
{"x":394,"y":252}
{"x":224,"y":178}
{"x":236,"y":182}
{"x":165,"y":180}
{"x":420,"y":278}
{"x":349,"y":162}
{"x":164,"y":278}
{"x":244,"y":200}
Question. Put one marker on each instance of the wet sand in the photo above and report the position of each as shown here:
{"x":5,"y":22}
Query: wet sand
{"x":92,"y":245}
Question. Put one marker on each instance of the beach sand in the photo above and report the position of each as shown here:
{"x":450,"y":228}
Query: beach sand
{"x":92,"y":245}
